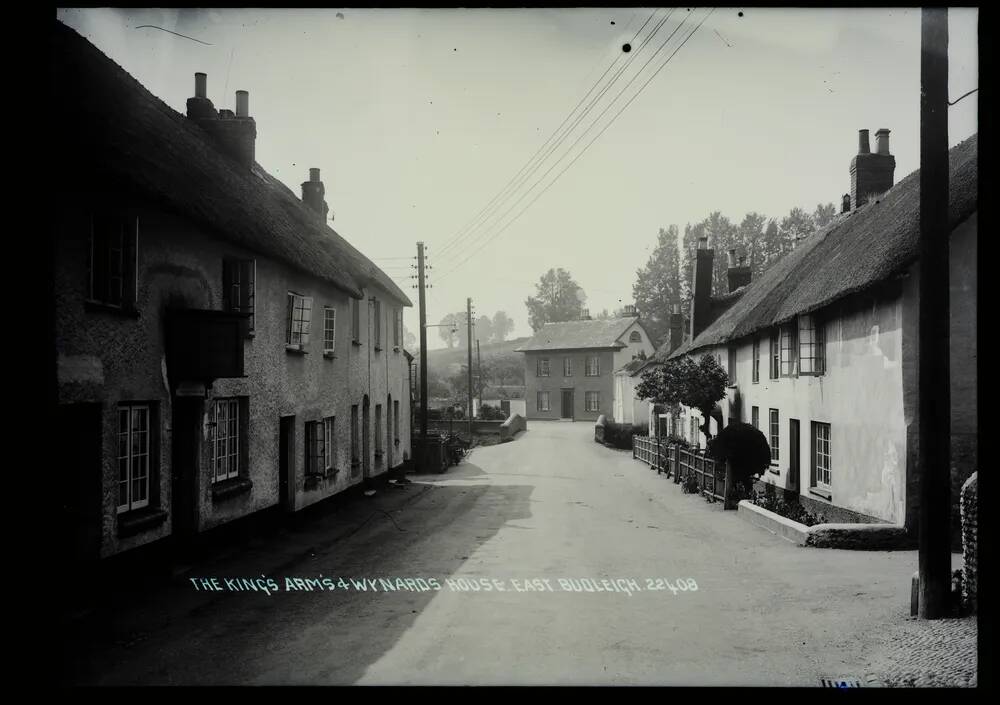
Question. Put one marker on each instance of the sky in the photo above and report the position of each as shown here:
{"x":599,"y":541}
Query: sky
{"x":419,"y":118}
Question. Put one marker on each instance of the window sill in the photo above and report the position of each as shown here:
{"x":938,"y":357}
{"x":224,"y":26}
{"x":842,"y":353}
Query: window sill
{"x":329,"y":355}
{"x":356,"y":342}
{"x":378,"y":348}
{"x":774,"y":470}
{"x":101,"y":307}
{"x":233,"y":487}
{"x":295,"y":349}
{"x":396,"y":348}
{"x":250,"y":335}
{"x":139,"y":520}
{"x":820,"y":492}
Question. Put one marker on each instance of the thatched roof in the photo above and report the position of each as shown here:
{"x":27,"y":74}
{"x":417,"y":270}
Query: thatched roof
{"x":118,"y":137}
{"x":580,"y":335}
{"x":855,"y":252}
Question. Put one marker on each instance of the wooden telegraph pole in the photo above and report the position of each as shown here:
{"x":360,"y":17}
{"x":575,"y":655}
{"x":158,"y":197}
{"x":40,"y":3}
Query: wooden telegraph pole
{"x":468,"y":323}
{"x":934,"y":453}
{"x":423,"y":352}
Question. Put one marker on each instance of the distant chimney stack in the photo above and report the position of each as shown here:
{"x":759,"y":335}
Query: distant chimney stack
{"x":701,"y":305}
{"x":234,"y":133}
{"x":845,"y":204}
{"x":585,"y":314}
{"x":629,"y":310}
{"x":676,"y":328}
{"x":738,"y":273}
{"x":313,"y":194}
{"x":871,"y":173}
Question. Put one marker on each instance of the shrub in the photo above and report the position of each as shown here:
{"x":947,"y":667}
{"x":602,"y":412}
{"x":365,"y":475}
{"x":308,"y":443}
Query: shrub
{"x":491,"y":413}
{"x":690,"y":484}
{"x":618,"y":435}
{"x":640,"y":429}
{"x":746,"y":450}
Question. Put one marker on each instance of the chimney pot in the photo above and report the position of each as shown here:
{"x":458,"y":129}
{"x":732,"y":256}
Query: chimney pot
{"x":242,"y":104}
{"x":703,"y":242}
{"x":882,"y":142}
{"x":314,"y":174}
{"x":732,"y":258}
{"x":845,"y":204}
{"x":863,"y":145}
{"x":200,"y":85}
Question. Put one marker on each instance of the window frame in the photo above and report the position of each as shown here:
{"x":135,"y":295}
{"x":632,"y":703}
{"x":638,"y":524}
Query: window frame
{"x":822,"y":477}
{"x":755,"y":417}
{"x":539,"y":396}
{"x":567,"y":366}
{"x":128,"y":264}
{"x":150,"y":453}
{"x":635,"y":337}
{"x":235,"y":435}
{"x":774,"y":435}
{"x":774,"y":355}
{"x":543,"y":367}
{"x":588,"y":396}
{"x":593,"y":363}
{"x":303,"y":322}
{"x":356,"y":321}
{"x":789,"y":360}
{"x":329,"y":331}
{"x":755,"y":375}
{"x":234,"y":271}
{"x":815,"y":346}
{"x":731,"y":365}
{"x":377,"y":323}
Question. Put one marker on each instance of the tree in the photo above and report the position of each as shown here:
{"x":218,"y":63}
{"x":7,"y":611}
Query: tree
{"x":484,"y":329}
{"x":823,"y":215}
{"x":795,"y":226}
{"x":658,"y":285}
{"x":721,"y":238}
{"x":697,"y":385}
{"x":750,"y":237}
{"x":502,"y":326}
{"x":409,"y":340}
{"x":507,"y":369}
{"x":557,"y":298}
{"x":449,"y":329}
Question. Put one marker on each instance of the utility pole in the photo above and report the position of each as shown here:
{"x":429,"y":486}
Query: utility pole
{"x":468,"y":323}
{"x":423,"y":352}
{"x":934,"y":453}
{"x":479,"y":376}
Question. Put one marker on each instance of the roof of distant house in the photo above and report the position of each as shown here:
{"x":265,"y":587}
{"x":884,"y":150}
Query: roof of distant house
{"x":634,"y":367}
{"x":580,"y":335}
{"x":856,"y":251}
{"x":118,"y":134}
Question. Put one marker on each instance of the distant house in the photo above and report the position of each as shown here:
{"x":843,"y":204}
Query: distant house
{"x":569,"y":367}
{"x":821,"y":350}
{"x":509,"y":399}
{"x":220,"y":349}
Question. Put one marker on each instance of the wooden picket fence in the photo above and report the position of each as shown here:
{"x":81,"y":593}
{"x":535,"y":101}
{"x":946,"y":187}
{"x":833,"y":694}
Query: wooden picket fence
{"x":678,"y":462}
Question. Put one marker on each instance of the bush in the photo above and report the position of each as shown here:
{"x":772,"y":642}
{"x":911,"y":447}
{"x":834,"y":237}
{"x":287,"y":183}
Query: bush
{"x":690,"y":484}
{"x":746,"y":450}
{"x":491,"y":413}
{"x":640,"y":429}
{"x":769,"y":500}
{"x":618,"y":435}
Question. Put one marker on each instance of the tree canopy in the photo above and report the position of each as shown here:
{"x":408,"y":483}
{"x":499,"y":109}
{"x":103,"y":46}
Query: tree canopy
{"x":557,"y":298}
{"x":697,"y":385}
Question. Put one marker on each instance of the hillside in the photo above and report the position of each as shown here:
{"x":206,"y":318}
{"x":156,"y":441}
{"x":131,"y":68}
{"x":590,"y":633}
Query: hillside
{"x":446,"y":362}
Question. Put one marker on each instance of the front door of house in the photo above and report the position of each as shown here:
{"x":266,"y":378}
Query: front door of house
{"x":567,"y":404}
{"x":79,"y":460}
{"x":286,"y":463}
{"x":186,"y":465}
{"x":793,"y":454}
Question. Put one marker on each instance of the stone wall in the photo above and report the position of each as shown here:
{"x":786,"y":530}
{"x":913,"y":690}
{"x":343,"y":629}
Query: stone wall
{"x":970,"y":531}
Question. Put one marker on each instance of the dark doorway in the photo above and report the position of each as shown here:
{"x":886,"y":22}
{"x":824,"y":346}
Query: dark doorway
{"x":366,"y":463}
{"x":793,"y":454}
{"x":79,"y":463}
{"x":505,"y":407}
{"x":185,"y":463}
{"x":567,"y":404}
{"x":286,"y":463}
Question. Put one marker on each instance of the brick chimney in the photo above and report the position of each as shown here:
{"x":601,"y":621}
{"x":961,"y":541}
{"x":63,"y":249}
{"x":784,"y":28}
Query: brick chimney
{"x":738,"y":272}
{"x":871,"y":173}
{"x":234,"y":133}
{"x":629,"y":310}
{"x":585,"y":314}
{"x":701,"y":304}
{"x":313,"y":193}
{"x":676,"y":328}
{"x":845,"y":204}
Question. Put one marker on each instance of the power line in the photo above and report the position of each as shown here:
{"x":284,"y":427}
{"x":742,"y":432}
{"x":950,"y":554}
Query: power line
{"x":581,"y":153}
{"x":590,"y":106}
{"x":591,"y":126}
{"x":527,"y":164}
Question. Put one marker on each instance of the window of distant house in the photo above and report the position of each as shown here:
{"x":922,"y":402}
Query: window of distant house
{"x":811,"y":346}
{"x":592,"y":400}
{"x":395,"y":419}
{"x":298,"y":320}
{"x":224,"y":434}
{"x":135,"y":454}
{"x":238,"y":277}
{"x":542,"y":367}
{"x":113,"y":260}
{"x":756,"y":360}
{"x":635,"y":337}
{"x":755,"y":417}
{"x":329,"y":329}
{"x":773,"y":435}
{"x":378,"y":430}
{"x":567,"y":367}
{"x":355,"y":454}
{"x":788,"y":350}
{"x":542,"y":401}
{"x":356,"y":321}
{"x":593,"y":366}
{"x":821,"y":455}
{"x":773,"y":355}
{"x":377,"y":324}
